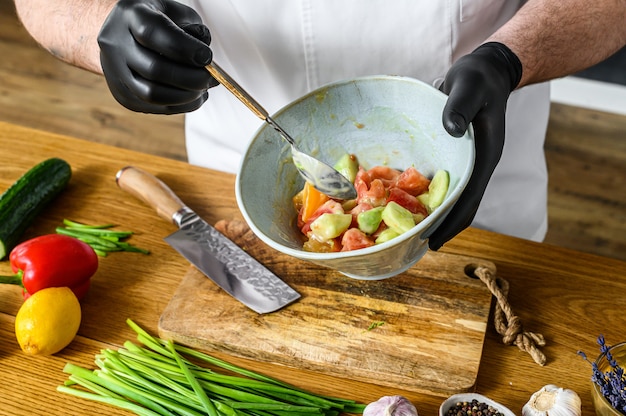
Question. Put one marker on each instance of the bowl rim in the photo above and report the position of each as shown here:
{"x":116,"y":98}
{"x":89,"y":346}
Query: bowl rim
{"x":424,"y":228}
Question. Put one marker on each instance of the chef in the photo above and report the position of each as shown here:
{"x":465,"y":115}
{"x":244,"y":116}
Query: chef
{"x":492,"y":57}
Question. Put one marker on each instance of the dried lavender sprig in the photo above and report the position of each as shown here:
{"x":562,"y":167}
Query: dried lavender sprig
{"x":615,"y":377}
{"x":612,"y":383}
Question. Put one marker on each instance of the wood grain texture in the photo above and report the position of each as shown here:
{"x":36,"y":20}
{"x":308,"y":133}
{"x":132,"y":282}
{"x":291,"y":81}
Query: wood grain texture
{"x":39,"y":91}
{"x":568,"y":296}
{"x":119,"y":288}
{"x":434,"y":320}
{"x":586,"y":155}
{"x":93,"y":197}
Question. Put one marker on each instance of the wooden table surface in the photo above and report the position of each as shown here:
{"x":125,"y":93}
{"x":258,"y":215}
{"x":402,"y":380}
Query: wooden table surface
{"x":568,"y":296}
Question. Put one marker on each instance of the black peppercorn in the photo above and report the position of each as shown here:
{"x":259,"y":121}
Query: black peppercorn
{"x":473,"y":408}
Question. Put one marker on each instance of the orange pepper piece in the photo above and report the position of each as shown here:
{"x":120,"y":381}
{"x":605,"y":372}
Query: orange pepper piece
{"x":312,"y":200}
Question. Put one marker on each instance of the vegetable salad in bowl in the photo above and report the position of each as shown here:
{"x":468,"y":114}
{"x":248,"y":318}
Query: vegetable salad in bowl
{"x":389,"y":203}
{"x":409,"y":174}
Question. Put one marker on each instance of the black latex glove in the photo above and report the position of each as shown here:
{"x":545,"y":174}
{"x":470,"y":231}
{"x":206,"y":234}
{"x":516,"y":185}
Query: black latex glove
{"x":478,"y":87}
{"x":153,"y":54}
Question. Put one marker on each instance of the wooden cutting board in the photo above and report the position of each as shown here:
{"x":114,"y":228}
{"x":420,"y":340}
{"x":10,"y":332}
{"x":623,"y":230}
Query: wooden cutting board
{"x":420,"y":331}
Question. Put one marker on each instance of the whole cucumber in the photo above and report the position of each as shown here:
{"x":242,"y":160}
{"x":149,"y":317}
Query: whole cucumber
{"x":27,"y":197}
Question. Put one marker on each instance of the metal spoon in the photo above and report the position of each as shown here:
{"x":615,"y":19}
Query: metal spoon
{"x":322,"y":176}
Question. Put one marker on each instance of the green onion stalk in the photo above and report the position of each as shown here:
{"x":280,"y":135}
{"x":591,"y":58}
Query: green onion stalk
{"x":101,"y":238}
{"x":158,"y":377}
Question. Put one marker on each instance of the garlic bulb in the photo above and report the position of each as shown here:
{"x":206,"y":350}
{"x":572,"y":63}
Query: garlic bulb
{"x":390,"y":406}
{"x":553,"y":401}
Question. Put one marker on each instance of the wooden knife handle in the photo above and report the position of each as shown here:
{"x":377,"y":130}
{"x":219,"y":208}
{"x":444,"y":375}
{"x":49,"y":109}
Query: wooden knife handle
{"x":150,"y":190}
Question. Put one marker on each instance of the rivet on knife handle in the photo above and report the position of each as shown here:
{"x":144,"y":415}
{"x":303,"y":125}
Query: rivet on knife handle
{"x":151,"y":190}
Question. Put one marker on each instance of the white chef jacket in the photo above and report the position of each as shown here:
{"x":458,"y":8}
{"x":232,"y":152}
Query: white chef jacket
{"x":279,"y":50}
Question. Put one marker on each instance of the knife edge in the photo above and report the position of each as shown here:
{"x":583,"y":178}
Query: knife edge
{"x":229,"y":266}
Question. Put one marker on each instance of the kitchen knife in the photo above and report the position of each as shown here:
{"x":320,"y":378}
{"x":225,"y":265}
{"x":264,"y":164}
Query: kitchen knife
{"x":220,"y":259}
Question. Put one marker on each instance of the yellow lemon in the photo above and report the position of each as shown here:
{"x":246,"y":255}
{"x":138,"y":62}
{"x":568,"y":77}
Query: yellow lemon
{"x":47,"y":321}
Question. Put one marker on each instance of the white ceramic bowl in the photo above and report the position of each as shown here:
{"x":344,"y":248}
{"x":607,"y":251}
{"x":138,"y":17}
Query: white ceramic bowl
{"x":383,"y":120}
{"x":468,"y":397}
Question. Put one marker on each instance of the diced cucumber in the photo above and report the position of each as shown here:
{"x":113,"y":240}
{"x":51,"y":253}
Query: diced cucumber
{"x":329,"y":226}
{"x":419,"y":217}
{"x":425,"y":199}
{"x":398,"y":218}
{"x":348,"y":166}
{"x":386,"y":235}
{"x":368,"y":221}
{"x":438,"y":188}
{"x":348,"y":204}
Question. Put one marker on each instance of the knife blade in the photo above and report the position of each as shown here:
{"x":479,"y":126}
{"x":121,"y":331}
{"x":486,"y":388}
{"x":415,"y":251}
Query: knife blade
{"x":211,"y":252}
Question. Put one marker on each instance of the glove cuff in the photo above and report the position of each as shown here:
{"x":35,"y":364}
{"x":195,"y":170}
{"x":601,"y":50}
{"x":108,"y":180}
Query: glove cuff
{"x":504,"y":57}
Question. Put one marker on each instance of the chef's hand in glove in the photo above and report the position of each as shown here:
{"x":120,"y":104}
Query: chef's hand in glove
{"x":478,"y":87}
{"x":153,"y":54}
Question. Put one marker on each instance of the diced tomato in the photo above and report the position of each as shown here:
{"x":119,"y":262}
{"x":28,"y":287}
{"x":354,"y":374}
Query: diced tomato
{"x":375,"y":195}
{"x":329,"y":207}
{"x":361,"y":181}
{"x":412,"y":181}
{"x":407,"y":201}
{"x":386,"y":174}
{"x":363,"y":206}
{"x":375,"y":187}
{"x":306,"y":228}
{"x":299,"y":221}
{"x":354,"y":239}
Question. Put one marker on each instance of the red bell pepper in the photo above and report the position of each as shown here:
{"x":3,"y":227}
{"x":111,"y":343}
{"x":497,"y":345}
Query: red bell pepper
{"x":52,"y":260}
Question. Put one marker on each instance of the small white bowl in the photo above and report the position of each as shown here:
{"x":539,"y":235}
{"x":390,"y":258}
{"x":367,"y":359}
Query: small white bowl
{"x":451,"y":401}
{"x":383,"y":120}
